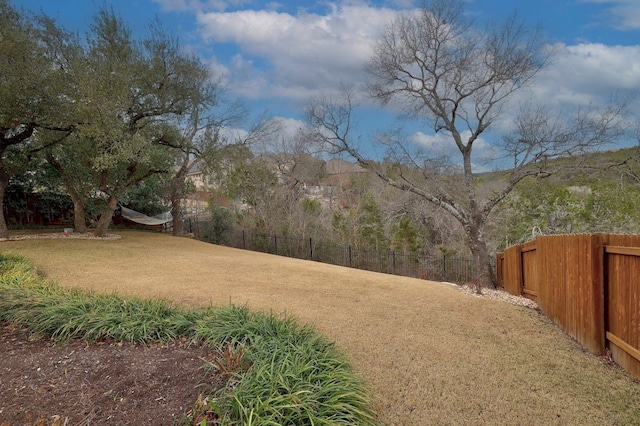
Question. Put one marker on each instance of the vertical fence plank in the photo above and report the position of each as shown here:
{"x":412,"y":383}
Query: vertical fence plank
{"x":572,"y":279}
{"x":500,"y":268}
{"x":530,"y":272}
{"x":548,"y":275}
{"x":622,"y":291}
{"x":564,"y":275}
{"x":590,"y":290}
{"x":512,"y":270}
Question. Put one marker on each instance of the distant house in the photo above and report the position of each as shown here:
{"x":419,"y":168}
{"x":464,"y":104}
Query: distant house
{"x":195,"y":175}
{"x":316,"y":178}
{"x":196,"y":202}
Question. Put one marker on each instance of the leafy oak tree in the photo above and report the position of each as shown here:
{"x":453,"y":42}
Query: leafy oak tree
{"x":72,"y":162}
{"x":130,"y":94}
{"x":32,"y":95}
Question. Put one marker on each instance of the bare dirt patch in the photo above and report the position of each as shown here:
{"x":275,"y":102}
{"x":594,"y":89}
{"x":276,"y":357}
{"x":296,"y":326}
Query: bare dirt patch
{"x":45,"y":383}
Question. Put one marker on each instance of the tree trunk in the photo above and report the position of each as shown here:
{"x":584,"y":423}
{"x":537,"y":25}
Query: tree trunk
{"x":4,"y":182}
{"x":79,"y":218}
{"x":177,"y":183}
{"x":481,"y":261}
{"x":105,"y":217}
{"x":177,"y":192}
{"x":175,"y":212}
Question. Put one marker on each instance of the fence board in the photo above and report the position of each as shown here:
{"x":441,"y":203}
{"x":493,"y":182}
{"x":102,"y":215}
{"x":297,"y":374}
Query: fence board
{"x":587,"y":284}
{"x":560,"y":274}
{"x":597,"y":285}
{"x":632,"y":251}
{"x":623,"y":301}
{"x":500,"y":269}
{"x":512,"y":270}
{"x":553,"y":275}
{"x":530,"y":276}
{"x":590,"y":315}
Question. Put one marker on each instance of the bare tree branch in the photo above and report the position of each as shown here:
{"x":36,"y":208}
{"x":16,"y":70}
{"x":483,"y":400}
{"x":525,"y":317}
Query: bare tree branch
{"x":440,"y":69}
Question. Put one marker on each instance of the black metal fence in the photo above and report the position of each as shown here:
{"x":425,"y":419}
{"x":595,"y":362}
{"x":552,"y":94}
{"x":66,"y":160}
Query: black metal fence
{"x":443,"y":267}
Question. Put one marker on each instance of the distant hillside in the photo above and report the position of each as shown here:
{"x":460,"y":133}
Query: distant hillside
{"x":597,"y":192}
{"x":337,"y":166}
{"x":578,"y":170}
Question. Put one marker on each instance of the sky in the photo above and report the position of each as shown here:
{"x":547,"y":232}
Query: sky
{"x":276,"y":55}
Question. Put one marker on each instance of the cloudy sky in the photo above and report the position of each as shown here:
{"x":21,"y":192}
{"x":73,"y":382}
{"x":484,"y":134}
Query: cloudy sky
{"x":275,"y":55}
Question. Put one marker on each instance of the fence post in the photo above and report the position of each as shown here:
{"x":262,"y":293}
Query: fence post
{"x":393,"y":263}
{"x":259,"y":241}
{"x":599,"y":291}
{"x":444,"y":264}
{"x":512,"y":270}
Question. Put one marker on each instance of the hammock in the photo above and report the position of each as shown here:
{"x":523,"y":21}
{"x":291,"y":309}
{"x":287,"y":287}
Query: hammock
{"x":138,"y":217}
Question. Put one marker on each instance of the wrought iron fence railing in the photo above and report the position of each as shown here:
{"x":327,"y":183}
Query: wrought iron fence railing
{"x":452,"y":268}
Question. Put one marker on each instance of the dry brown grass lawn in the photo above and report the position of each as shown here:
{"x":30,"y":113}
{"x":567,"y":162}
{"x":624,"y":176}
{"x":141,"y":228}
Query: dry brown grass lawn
{"x":431,"y":354}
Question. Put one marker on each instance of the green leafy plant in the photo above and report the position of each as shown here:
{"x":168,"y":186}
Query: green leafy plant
{"x":276,"y":371}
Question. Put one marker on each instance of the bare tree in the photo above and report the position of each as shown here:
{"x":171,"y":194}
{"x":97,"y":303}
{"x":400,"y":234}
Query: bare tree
{"x":293,"y":157}
{"x":440,"y":70}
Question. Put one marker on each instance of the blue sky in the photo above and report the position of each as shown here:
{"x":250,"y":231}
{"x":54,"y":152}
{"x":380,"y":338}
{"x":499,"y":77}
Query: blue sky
{"x":275,"y":55}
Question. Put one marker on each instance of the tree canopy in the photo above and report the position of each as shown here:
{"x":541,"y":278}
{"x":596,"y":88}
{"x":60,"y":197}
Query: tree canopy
{"x":106,"y":112}
{"x":32,"y":95}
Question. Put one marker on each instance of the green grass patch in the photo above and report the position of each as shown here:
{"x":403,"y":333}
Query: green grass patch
{"x":277,"y":372}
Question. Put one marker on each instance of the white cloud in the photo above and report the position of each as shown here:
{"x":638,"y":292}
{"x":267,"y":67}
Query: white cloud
{"x":584,"y":73}
{"x":626,"y":13}
{"x":298,"y":54}
{"x":219,"y":71}
{"x":295,"y":56}
{"x":580,"y":76}
{"x":290,"y":126}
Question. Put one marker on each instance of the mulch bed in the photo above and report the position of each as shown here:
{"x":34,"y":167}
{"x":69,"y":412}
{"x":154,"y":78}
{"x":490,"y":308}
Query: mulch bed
{"x":45,"y":383}
{"x":40,"y":234}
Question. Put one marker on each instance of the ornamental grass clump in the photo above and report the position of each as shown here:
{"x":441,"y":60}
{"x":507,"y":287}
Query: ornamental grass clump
{"x":62,"y":314}
{"x":296,"y":376}
{"x":275,"y":371}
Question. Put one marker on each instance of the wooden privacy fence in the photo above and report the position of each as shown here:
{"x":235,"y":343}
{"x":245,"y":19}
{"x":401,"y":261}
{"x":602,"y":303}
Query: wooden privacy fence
{"x":587,"y":284}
